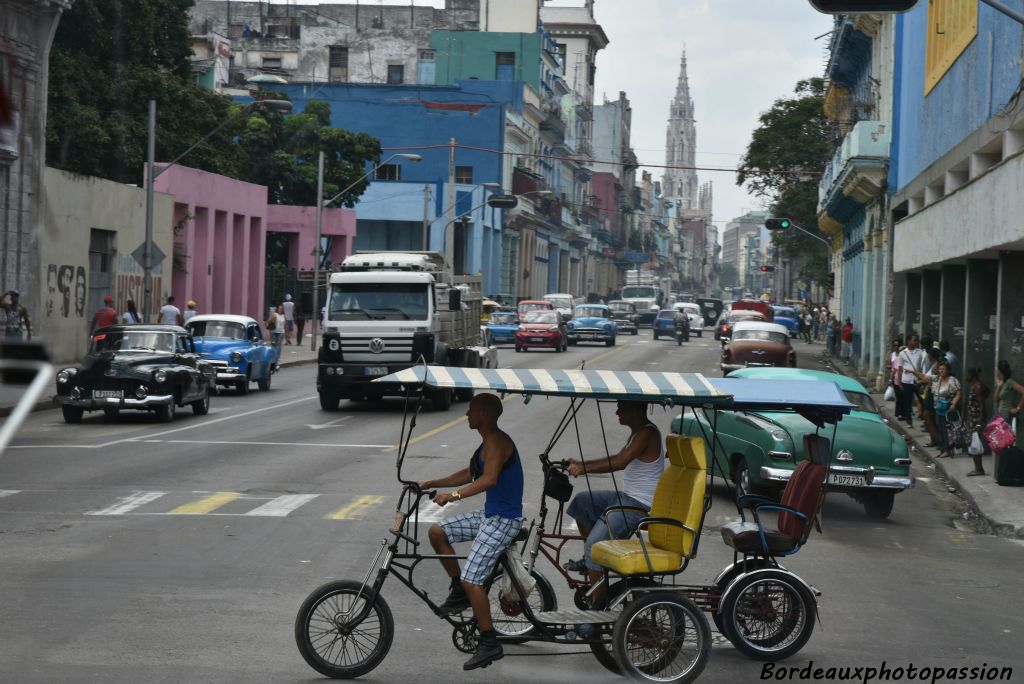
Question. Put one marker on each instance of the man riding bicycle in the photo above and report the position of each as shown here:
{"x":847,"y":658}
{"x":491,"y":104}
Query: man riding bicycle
{"x":495,"y":468}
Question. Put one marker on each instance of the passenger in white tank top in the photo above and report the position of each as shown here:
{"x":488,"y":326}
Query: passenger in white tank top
{"x":642,"y":461}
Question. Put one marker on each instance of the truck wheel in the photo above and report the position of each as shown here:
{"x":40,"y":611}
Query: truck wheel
{"x":464,"y":395}
{"x":328,"y":401}
{"x":442,"y":400}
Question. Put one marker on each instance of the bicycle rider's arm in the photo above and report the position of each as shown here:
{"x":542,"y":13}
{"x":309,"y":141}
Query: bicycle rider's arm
{"x":495,"y":453}
{"x":454,"y":480}
{"x":634,"y":449}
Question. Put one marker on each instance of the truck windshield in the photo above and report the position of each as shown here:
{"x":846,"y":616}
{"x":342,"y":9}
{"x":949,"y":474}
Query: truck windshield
{"x":639,"y":292}
{"x":377,"y":301}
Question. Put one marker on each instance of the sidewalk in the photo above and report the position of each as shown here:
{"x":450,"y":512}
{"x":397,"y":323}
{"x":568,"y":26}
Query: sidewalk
{"x":293,"y":355}
{"x":1002,"y":508}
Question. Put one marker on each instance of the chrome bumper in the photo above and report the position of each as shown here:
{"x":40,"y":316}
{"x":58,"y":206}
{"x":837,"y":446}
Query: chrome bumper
{"x":589,"y":335}
{"x":224,"y":376}
{"x":90,"y":404}
{"x":877,"y":481}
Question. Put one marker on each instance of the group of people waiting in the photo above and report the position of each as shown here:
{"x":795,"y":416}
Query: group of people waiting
{"x":924,"y":375}
{"x":820,"y":324}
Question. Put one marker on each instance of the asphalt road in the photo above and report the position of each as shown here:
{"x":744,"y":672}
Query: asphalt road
{"x":133,"y":551}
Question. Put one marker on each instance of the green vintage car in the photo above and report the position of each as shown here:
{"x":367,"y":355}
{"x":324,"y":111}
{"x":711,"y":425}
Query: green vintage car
{"x":759,"y":450}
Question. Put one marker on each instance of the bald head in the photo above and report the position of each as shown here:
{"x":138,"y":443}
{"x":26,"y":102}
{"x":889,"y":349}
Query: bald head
{"x":484,"y":411}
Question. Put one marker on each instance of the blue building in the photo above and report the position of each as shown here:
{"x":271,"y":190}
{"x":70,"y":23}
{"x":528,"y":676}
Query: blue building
{"x":955,"y":180}
{"x":406,"y":201}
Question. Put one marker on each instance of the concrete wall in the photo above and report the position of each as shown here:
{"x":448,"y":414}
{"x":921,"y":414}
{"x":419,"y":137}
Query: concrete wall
{"x":462,"y":56}
{"x":514,"y":16}
{"x":974,"y":88}
{"x":339,"y":224}
{"x":75,"y":283}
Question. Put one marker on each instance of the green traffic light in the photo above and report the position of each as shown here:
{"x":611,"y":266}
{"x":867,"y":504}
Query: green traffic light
{"x":783,"y":223}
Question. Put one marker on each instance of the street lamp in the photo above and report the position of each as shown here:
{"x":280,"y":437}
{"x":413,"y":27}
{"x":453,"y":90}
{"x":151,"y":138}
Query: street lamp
{"x":153,"y":173}
{"x":492,"y":186}
{"x":320,"y":204}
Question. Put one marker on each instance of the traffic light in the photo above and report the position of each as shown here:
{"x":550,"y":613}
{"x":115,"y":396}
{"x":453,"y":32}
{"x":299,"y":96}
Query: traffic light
{"x":767,"y":269}
{"x":778,"y":224}
{"x":862,"y":6}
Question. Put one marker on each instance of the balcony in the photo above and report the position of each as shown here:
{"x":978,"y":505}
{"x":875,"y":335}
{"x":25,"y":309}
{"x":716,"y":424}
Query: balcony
{"x":553,"y":123}
{"x":857,"y":171}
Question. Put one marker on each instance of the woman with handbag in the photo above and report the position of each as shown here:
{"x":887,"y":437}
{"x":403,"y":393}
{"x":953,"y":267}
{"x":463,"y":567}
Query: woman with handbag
{"x":946,"y":397}
{"x":1009,"y":394}
{"x":977,"y":395}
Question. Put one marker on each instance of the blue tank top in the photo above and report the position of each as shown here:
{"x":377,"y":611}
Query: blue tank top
{"x":505,"y":498}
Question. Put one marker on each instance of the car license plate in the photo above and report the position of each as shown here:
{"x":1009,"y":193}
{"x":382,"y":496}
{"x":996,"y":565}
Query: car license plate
{"x":846,"y":480}
{"x":536,"y":339}
{"x":375,"y":370}
{"x":587,"y":336}
{"x":107,"y":394}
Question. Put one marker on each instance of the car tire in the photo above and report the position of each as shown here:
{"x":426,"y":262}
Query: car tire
{"x":243,"y":386}
{"x":200,"y":407}
{"x":655,"y":334}
{"x":879,"y":504}
{"x":264,"y":384}
{"x":519,"y":350}
{"x":165,"y":413}
{"x":328,"y":401}
{"x":700,"y":334}
{"x":741,"y":478}
{"x":610,"y":343}
{"x":72,"y":414}
{"x":111,"y":412}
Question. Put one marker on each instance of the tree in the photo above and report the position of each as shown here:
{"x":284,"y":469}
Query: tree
{"x":110,"y":58}
{"x":782,"y":165}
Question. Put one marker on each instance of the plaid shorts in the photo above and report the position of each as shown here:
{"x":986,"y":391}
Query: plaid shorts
{"x":491,"y":536}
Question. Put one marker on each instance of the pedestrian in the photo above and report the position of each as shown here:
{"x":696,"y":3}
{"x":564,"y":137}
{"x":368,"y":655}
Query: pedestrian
{"x":815,"y":324}
{"x":131,"y":314}
{"x":104,"y":316}
{"x":170,"y":314}
{"x":846,"y":336}
{"x":300,"y":322}
{"x":496,"y":470}
{"x":808,"y":324}
{"x":894,"y":377}
{"x":276,"y":327}
{"x":190,"y":311}
{"x":289,"y":318}
{"x":954,"y":362}
{"x":912,"y":360}
{"x":1009,"y":395}
{"x":946,"y":396}
{"x":17,"y":322}
{"x":975,"y":416}
{"x":926,"y":398}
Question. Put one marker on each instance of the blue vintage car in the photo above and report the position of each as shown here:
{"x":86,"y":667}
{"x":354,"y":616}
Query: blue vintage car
{"x":235,"y":347}
{"x":789,"y":317}
{"x":592,"y":323}
{"x":502,"y":327}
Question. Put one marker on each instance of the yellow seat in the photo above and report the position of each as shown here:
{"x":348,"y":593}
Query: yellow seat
{"x":679,"y":496}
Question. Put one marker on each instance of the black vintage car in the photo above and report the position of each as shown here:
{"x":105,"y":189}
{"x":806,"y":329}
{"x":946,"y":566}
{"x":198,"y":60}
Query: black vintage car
{"x":141,"y":367}
{"x":625,"y":316}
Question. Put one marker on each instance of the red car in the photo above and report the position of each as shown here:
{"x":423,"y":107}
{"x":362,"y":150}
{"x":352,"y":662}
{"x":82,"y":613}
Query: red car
{"x":542,"y":329}
{"x":528,"y":305}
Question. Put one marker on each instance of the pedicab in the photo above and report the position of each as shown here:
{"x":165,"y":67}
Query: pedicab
{"x":645,"y":625}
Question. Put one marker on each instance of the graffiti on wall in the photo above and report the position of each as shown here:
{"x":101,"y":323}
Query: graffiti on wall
{"x":65,"y":291}
{"x":130,"y":284}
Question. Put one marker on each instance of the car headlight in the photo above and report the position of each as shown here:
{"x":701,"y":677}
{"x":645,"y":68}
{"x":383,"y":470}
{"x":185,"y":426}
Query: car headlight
{"x":236,"y":356}
{"x":63,"y":377}
{"x":141,"y":392}
{"x":160,"y":376}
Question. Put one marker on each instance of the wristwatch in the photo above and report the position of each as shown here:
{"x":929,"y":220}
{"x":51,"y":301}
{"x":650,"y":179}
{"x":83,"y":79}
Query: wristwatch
{"x":455,"y":495}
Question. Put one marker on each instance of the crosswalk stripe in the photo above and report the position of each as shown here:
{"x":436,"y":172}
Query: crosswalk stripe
{"x":282,"y":505}
{"x":8,"y":492}
{"x":128,"y":503}
{"x":355,"y":509}
{"x":206,"y":504}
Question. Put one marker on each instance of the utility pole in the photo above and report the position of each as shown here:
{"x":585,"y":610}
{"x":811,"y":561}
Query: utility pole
{"x":316,"y":249}
{"x":147,"y":254}
{"x":426,"y":216}
{"x":449,"y":229}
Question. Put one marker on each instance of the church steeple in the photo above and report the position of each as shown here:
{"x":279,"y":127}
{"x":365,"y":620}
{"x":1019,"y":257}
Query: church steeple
{"x":681,"y":144}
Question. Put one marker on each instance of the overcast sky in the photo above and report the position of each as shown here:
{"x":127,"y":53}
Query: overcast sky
{"x":742,"y":55}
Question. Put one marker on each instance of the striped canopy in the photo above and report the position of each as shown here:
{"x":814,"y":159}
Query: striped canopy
{"x":681,"y":388}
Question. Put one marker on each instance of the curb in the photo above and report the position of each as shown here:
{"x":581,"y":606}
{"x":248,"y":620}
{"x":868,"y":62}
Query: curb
{"x":48,"y":404}
{"x":997,"y":527}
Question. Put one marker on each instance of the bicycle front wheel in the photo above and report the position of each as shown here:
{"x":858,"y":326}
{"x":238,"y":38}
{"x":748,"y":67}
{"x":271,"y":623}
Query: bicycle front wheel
{"x":331,"y":642}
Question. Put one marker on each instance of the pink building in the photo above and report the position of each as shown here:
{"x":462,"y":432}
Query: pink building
{"x":222,"y":239}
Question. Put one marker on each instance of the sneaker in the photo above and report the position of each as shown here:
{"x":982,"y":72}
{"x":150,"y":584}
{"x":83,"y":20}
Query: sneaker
{"x":486,"y":653}
{"x":456,"y":602}
{"x":576,"y":566}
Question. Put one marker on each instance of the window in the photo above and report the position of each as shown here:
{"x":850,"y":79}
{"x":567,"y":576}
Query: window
{"x":338,"y":65}
{"x":952,"y":25}
{"x":271,"y":63}
{"x":505,"y":66}
{"x":562,"y":54}
{"x":396,"y":73}
{"x":390,"y":172}
{"x":464,"y":175}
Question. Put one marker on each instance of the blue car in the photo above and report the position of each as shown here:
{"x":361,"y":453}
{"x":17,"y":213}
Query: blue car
{"x":592,"y":323}
{"x":664,"y":325}
{"x":234,"y":346}
{"x":502,"y":327}
{"x":787,"y":316}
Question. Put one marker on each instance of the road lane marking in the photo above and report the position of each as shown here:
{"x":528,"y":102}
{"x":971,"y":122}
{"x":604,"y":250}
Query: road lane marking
{"x":282,"y":505}
{"x":510,"y":380}
{"x":8,"y":492}
{"x":288,"y":444}
{"x":355,"y":509}
{"x":128,"y":503}
{"x":206,"y":504}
